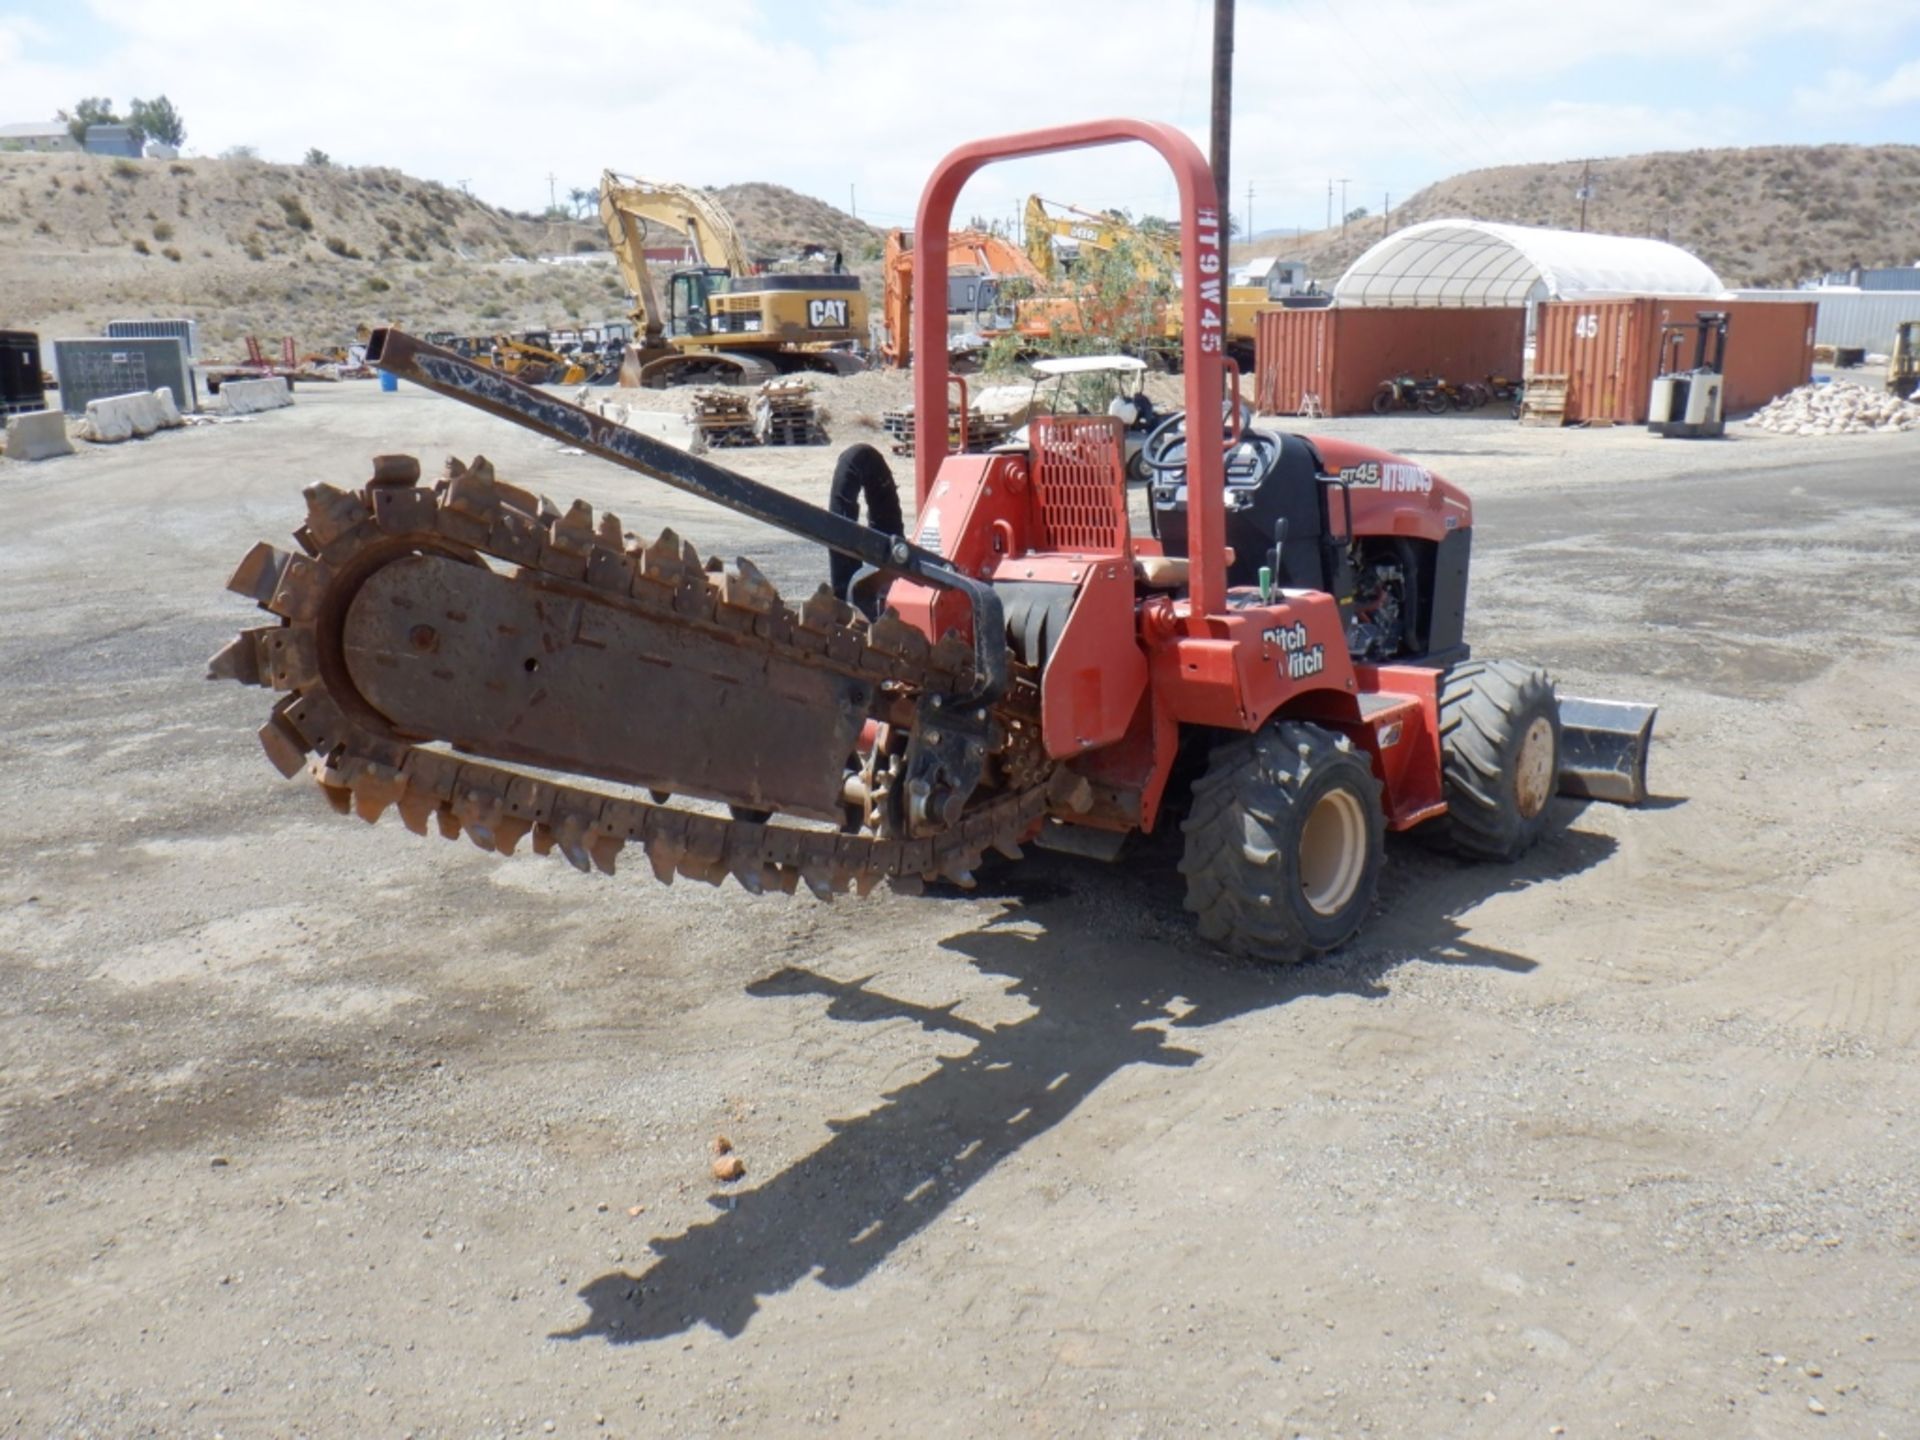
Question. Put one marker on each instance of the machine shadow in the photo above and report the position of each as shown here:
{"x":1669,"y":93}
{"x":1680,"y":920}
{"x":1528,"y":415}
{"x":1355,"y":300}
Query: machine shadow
{"x":1097,"y":1008}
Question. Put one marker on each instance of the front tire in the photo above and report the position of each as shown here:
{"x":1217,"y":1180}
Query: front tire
{"x":1283,"y":842}
{"x":1499,"y":756}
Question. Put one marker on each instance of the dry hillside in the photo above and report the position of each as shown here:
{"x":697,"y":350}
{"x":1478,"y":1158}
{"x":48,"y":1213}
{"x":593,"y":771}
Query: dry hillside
{"x":1771,"y":215}
{"x":776,"y":221}
{"x":246,"y":247}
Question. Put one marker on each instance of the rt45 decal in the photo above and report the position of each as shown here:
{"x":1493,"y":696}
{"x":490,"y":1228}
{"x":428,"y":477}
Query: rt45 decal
{"x":827,"y":314}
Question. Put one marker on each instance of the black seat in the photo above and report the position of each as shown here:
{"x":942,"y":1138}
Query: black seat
{"x":1290,"y":490}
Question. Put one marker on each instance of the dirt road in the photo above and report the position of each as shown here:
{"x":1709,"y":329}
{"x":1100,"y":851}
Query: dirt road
{"x":310,"y":1127}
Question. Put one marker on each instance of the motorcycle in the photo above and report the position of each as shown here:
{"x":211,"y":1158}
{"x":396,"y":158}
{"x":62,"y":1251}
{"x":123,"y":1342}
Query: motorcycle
{"x":1403,"y":392}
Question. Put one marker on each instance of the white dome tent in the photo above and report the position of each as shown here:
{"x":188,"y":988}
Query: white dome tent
{"x":1476,"y":263}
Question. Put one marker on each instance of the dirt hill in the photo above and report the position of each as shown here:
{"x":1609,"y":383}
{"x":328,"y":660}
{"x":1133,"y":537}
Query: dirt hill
{"x":1770,"y":215}
{"x":246,"y":247}
{"x":775,"y":221}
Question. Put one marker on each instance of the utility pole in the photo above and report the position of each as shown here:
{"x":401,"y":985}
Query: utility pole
{"x":1343,"y":208}
{"x":1249,"y":210}
{"x":1329,"y":204}
{"x":1585,"y":192}
{"x":1386,"y":209}
{"x":852,"y":208}
{"x":553,"y":198}
{"x":1222,"y":100}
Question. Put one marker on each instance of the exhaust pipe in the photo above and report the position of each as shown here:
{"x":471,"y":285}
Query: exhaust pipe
{"x":1603,"y":749}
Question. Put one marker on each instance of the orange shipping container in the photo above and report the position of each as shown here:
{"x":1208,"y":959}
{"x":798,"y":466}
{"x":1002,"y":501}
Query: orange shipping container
{"x":1339,"y":356}
{"x":1608,"y":351}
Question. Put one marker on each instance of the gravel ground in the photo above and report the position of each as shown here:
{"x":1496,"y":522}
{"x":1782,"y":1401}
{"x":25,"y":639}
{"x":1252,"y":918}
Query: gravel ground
{"x":308,"y":1127}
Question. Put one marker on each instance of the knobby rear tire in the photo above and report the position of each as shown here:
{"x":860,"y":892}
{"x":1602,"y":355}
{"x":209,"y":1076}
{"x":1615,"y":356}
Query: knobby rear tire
{"x":1279,"y":818}
{"x":1495,"y":718}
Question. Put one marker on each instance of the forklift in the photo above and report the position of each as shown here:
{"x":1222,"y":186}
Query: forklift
{"x":1903,"y":363}
{"x":1687,"y":403}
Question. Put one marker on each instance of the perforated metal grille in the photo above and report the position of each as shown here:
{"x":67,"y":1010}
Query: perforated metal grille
{"x":1080,"y":496}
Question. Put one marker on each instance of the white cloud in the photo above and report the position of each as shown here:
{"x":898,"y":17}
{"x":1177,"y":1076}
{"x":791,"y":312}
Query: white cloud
{"x":826,"y":94}
{"x":1846,"y":91}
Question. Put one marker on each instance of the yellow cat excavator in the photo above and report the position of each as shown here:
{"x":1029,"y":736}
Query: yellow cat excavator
{"x":719,"y":319}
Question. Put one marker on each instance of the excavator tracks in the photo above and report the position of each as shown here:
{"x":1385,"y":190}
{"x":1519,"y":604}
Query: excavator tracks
{"x":328,"y":598}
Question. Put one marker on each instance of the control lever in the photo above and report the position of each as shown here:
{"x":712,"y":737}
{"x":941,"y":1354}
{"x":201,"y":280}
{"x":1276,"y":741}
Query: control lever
{"x":1271,"y":569}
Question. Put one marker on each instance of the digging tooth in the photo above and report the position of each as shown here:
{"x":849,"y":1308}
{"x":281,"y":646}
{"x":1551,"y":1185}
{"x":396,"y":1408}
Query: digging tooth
{"x":746,"y":588}
{"x":257,"y":575}
{"x":819,"y":880}
{"x":894,"y":636}
{"x":661,"y":560}
{"x":572,"y":534}
{"x":331,"y":512}
{"x":542,"y":842}
{"x":473,"y":495}
{"x":286,"y":751}
{"x":239,"y":658}
{"x":610,"y":533}
{"x":449,"y":822}
{"x":373,"y":792}
{"x":395,"y":470}
{"x":605,"y":852}
{"x":1009,"y":848}
{"x":416,"y":809}
{"x":664,"y":856}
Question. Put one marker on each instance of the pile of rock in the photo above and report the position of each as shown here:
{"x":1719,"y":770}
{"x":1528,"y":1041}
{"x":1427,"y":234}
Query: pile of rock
{"x":1838,"y":409}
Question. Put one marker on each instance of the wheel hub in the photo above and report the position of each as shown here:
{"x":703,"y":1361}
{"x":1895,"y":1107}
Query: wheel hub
{"x":1333,"y":852}
{"x":1533,"y":768}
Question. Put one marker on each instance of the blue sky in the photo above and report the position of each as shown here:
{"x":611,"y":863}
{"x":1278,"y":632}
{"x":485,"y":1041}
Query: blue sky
{"x":824,"y":95}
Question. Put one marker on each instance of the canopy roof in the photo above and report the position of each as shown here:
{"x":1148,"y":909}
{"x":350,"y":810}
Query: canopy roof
{"x":1086,"y":364}
{"x":1477,"y":263}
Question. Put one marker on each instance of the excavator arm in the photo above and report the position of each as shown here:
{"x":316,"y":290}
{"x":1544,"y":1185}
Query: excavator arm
{"x":628,"y":203}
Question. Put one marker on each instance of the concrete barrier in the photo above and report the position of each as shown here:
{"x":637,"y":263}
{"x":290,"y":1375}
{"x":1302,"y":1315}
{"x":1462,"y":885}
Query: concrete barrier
{"x":37,"y":434}
{"x":249,"y":397}
{"x":123,"y":417}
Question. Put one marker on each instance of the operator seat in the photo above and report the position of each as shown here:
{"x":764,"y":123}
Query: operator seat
{"x":1289,"y":489}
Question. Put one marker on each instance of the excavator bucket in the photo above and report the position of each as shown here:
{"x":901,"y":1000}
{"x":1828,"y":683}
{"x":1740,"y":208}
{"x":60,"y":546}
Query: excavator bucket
{"x":1603,"y":749}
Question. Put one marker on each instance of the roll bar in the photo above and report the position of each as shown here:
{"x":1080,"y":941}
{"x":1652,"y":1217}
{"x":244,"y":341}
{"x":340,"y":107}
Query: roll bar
{"x":1203,"y":274}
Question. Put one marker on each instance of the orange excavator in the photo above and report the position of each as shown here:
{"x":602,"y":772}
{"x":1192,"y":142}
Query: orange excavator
{"x":978,"y":262}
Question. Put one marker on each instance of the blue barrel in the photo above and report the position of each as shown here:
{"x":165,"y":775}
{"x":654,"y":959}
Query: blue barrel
{"x":389,"y":382}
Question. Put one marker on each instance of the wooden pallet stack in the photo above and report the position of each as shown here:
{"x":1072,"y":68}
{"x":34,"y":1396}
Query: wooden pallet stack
{"x":723,"y":417}
{"x":1545,"y":401}
{"x":784,"y":414}
{"x":984,"y":430}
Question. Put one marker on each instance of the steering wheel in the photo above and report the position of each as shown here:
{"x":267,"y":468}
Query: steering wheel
{"x":1165,"y":448}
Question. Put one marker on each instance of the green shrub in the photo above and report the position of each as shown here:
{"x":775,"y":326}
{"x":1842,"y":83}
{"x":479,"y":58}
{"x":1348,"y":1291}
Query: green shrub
{"x":295,"y":212}
{"x":378,"y":285}
{"x":171,"y":254}
{"x":162,"y":230}
{"x":255,"y":250}
{"x":178,"y":169}
{"x":492,"y":310}
{"x":140,"y":248}
{"x":126,"y":169}
{"x":341,"y":248}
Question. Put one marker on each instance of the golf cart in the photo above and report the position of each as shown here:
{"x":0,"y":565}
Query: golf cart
{"x":1095,"y":385}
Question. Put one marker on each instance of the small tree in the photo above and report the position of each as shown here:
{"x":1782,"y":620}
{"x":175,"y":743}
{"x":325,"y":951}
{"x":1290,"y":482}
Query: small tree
{"x":156,"y":119}
{"x":240,"y":152}
{"x":1359,"y":212}
{"x":318,"y":158}
{"x":94,"y":110}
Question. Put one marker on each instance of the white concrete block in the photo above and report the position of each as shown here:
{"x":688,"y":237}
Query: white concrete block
{"x":122,"y":417}
{"x":107,"y":422}
{"x":37,"y":435}
{"x":249,"y":397}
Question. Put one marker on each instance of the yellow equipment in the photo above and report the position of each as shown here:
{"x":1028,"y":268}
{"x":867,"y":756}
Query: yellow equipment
{"x":718,"y":318}
{"x":1154,"y":257}
{"x":1903,"y":364}
{"x":532,"y":363}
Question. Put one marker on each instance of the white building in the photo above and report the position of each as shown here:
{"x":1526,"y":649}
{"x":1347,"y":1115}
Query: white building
{"x":37,"y":135}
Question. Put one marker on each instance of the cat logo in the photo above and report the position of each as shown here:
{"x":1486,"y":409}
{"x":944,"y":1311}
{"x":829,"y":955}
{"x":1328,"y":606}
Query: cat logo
{"x":827,"y":314}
